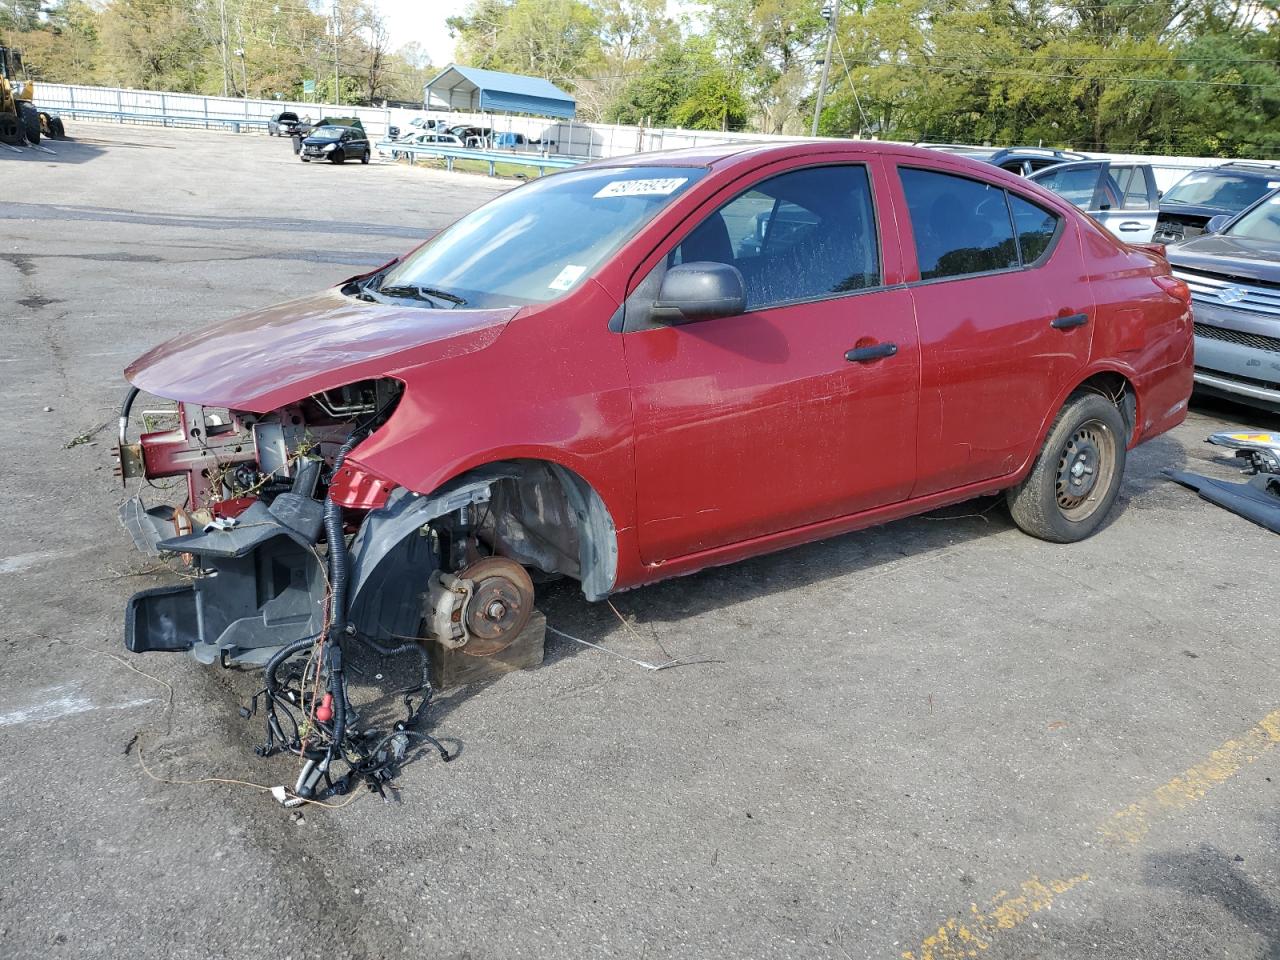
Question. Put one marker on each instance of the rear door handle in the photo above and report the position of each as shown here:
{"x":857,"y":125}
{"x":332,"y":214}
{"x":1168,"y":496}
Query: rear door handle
{"x":866,"y":354}
{"x":1131,"y":226}
{"x":1066,"y":323}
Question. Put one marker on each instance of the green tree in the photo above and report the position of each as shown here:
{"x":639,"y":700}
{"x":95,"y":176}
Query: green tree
{"x":685,"y":86}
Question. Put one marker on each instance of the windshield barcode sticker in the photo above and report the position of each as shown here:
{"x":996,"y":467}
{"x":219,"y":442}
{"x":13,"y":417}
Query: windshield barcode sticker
{"x":566,"y":278}
{"x":659,"y":187}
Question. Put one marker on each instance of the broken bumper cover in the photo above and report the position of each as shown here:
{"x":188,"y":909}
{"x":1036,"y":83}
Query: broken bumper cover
{"x":261,"y":585}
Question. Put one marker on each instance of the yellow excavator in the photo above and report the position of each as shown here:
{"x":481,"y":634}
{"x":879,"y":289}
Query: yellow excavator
{"x":20,"y":121}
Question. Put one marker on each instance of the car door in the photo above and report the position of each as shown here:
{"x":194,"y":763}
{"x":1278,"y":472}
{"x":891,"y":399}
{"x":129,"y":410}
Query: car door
{"x":1004,"y":308}
{"x":799,"y":410}
{"x":1128,"y":204}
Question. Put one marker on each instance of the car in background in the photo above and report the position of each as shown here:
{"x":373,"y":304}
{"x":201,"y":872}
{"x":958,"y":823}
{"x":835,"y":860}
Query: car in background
{"x":418,"y":140}
{"x":1120,"y":195}
{"x":282,"y":124}
{"x":470,"y":135}
{"x":1204,"y":194}
{"x":305,"y":128}
{"x":336,"y":144}
{"x":1233,"y":270}
{"x":1023,"y":161}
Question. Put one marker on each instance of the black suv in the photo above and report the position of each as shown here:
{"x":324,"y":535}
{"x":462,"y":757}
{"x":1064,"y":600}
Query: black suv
{"x":1233,"y":270}
{"x":1212,"y":192}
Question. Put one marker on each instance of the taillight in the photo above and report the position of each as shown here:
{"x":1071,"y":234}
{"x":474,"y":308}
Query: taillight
{"x":1175,"y":288}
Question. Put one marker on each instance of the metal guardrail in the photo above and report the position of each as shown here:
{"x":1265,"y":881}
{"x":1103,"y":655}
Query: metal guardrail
{"x":491,"y":157}
{"x":166,"y":120}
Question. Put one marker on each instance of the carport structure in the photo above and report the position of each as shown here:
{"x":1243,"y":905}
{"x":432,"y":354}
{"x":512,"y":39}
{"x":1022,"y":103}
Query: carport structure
{"x":473,"y":90}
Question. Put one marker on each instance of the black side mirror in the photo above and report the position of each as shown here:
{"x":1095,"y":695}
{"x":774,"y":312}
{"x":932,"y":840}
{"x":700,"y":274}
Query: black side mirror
{"x":1216,"y":224}
{"x":701,"y":290}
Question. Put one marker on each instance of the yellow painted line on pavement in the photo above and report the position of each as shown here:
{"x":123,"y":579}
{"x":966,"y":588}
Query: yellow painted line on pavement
{"x":1132,"y":823}
{"x":967,"y":936}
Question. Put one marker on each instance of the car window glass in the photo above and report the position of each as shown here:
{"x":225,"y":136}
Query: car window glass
{"x":961,"y":226}
{"x":1225,"y":191}
{"x":1131,"y":186}
{"x":1035,"y":227}
{"x":797,"y":236}
{"x":1261,"y":223}
{"x":1076,"y":185}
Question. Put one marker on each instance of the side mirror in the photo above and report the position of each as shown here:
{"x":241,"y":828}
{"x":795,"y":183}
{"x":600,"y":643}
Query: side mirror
{"x":1216,"y":224}
{"x":701,"y":290}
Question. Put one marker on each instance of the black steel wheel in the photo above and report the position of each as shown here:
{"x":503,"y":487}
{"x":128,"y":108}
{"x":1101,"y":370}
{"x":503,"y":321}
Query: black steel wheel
{"x":1076,"y":479}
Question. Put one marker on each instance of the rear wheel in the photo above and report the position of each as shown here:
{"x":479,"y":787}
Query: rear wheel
{"x":365,"y":158}
{"x":1076,"y":478}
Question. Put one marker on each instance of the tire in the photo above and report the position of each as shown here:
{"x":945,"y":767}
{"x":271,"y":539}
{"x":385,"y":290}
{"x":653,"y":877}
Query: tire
{"x":304,"y":160}
{"x":365,"y":158}
{"x":1075,"y":480}
{"x":31,"y":123}
{"x":56,"y":129}
{"x":337,"y":157}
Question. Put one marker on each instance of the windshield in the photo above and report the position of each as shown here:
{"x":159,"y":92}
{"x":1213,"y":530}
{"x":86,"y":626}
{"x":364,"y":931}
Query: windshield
{"x":539,"y":241}
{"x":1260,"y":223}
{"x":327,"y":133}
{"x":1227,"y":191}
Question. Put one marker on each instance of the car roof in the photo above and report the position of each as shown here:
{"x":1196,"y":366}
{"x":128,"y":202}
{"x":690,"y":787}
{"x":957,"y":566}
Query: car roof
{"x":753,"y":152}
{"x":1240,"y":168}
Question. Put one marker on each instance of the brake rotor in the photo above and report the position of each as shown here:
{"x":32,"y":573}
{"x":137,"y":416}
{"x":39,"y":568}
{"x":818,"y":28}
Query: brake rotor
{"x":500,"y":606}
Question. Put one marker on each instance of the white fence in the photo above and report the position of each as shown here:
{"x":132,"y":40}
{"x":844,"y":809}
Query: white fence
{"x":568,"y":138}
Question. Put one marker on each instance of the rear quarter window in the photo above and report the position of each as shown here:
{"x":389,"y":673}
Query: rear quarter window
{"x":1036,"y":228}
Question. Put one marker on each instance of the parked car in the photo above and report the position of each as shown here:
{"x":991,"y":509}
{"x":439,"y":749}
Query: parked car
{"x":1204,"y":194}
{"x":282,"y":124}
{"x":470,"y":135}
{"x":1122,"y":196}
{"x":654,"y":391}
{"x":420,"y":139}
{"x":336,"y":144}
{"x":1023,"y":161}
{"x":305,"y":128}
{"x":1233,"y":270}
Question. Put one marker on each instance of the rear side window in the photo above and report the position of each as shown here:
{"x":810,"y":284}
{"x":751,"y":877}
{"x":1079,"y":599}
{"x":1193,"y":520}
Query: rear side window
{"x":801,"y":235}
{"x":961,"y":226}
{"x":1076,"y":185}
{"x":1035,"y":226}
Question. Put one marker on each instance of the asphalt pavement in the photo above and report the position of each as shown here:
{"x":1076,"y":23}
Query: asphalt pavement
{"x":935,"y":739}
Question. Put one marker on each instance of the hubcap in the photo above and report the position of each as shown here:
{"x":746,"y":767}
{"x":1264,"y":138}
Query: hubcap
{"x":1085,"y":467}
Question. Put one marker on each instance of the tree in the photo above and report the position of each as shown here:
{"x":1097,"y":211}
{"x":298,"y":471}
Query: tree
{"x":684,"y":86}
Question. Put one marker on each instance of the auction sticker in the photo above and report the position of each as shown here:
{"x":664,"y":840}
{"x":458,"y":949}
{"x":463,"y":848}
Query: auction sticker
{"x":658,"y":187}
{"x":566,"y":278}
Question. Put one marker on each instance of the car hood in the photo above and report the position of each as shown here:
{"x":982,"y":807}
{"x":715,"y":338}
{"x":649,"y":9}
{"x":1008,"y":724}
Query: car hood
{"x":1223,"y":253}
{"x":268,"y":358}
{"x":1194,"y":210}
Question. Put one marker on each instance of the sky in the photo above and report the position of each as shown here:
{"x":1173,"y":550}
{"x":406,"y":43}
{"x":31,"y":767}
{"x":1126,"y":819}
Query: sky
{"x":423,"y":21}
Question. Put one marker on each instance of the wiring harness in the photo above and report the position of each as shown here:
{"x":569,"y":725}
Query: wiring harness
{"x":306,"y":687}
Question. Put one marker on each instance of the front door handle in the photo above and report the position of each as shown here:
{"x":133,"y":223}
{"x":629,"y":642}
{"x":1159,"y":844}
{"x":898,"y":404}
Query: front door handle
{"x":876,"y":352}
{"x":1066,"y":323}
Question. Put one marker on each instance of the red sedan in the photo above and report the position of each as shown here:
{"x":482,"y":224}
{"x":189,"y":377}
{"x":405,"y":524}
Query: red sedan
{"x":643,"y":367}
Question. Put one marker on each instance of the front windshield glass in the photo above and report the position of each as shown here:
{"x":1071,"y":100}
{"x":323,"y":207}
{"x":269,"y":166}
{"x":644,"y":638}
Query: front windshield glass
{"x":1226,"y":191}
{"x":539,"y":241}
{"x":327,"y":133}
{"x":1261,"y":223}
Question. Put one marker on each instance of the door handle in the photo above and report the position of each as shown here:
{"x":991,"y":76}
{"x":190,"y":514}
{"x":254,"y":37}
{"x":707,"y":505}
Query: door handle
{"x":1066,"y":323}
{"x":1131,"y":226}
{"x":876,"y":352}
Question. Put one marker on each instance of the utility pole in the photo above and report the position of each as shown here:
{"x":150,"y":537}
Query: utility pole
{"x":336,"y":98}
{"x":833,"y":18}
{"x":222,"y":16}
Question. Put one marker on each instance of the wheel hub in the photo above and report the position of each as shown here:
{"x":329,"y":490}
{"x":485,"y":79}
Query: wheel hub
{"x":500,"y":607}
{"x":1081,"y":464}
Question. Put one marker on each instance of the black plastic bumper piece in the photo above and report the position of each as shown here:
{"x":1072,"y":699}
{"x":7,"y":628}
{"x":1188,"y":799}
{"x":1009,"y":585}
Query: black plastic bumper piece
{"x":163,"y":618}
{"x":1258,"y":500}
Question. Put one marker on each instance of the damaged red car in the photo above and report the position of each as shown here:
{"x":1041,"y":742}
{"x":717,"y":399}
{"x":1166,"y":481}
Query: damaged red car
{"x":640,"y":368}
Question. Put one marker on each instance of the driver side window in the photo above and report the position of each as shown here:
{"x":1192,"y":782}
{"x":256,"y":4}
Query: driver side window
{"x":803,"y":235}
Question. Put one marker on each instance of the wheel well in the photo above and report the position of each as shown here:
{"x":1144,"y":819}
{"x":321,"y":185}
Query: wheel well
{"x":547,"y":516}
{"x":1116,"y":388}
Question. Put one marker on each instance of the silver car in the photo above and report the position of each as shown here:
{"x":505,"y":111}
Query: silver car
{"x":1120,"y":195}
{"x":1233,"y":271}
